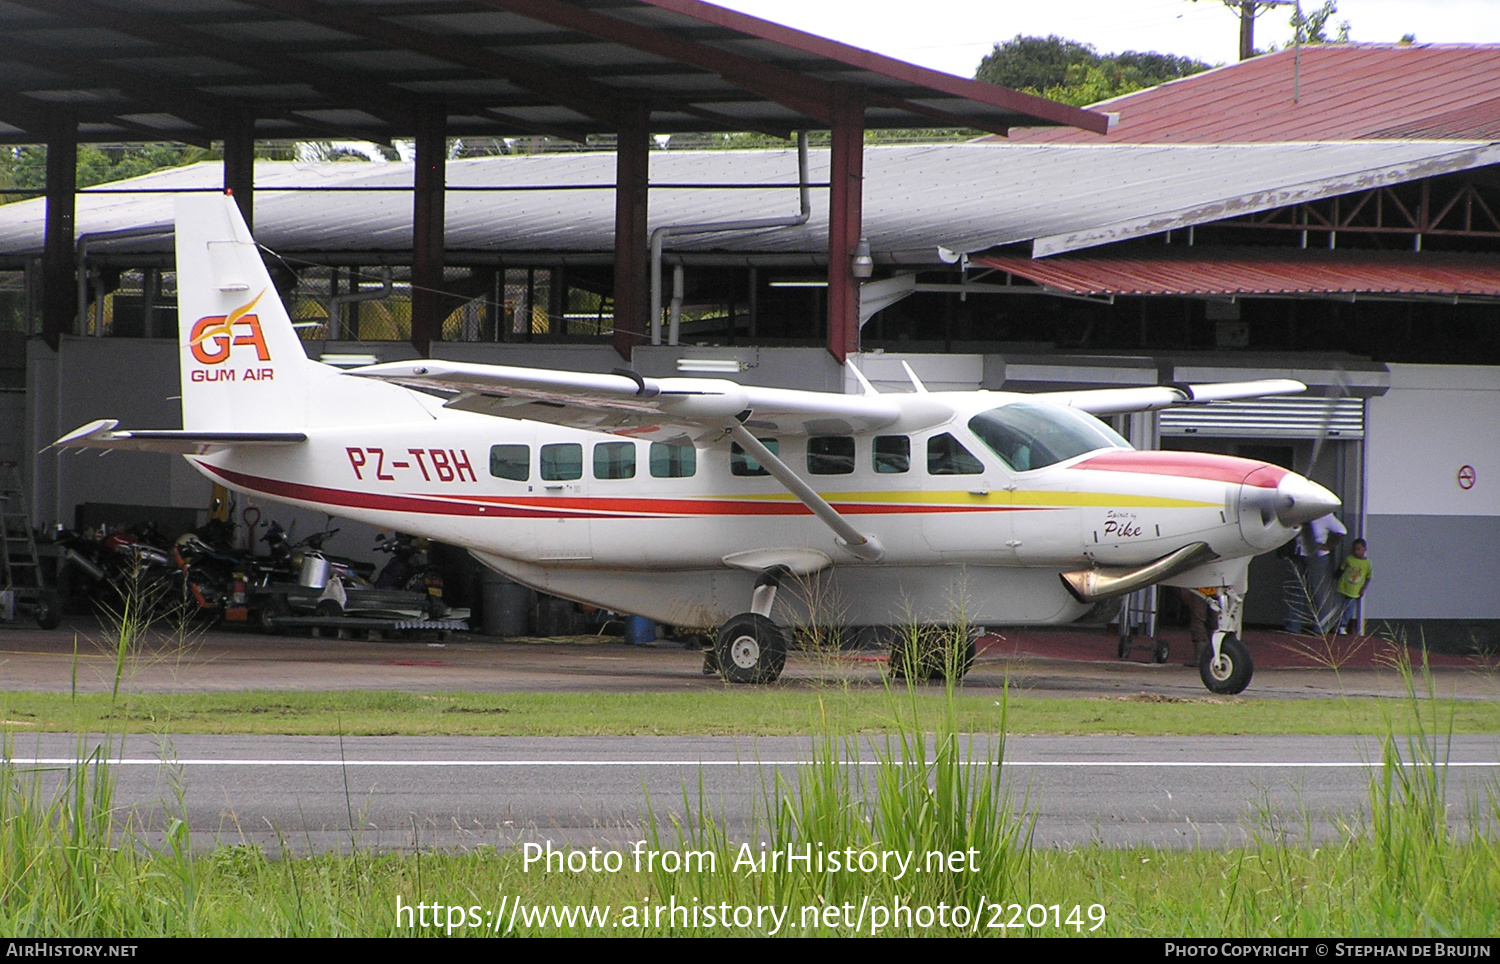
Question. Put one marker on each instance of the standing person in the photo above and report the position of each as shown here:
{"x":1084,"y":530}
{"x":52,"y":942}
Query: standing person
{"x":1201,"y":622}
{"x":1354,"y":579}
{"x":1312,"y":595}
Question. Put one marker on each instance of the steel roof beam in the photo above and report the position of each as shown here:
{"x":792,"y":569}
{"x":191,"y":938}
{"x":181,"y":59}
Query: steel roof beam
{"x":805,"y":94}
{"x":32,"y":120}
{"x":586,"y":98}
{"x":394,"y":107}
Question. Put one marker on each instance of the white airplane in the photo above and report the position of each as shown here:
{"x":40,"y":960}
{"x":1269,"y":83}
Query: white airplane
{"x":691,"y":501}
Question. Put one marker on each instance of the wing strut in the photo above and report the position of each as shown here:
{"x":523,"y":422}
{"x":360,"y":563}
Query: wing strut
{"x":860,"y":545}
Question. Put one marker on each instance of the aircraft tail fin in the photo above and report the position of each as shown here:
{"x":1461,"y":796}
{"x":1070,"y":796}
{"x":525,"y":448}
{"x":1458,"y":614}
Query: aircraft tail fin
{"x":243,"y":365}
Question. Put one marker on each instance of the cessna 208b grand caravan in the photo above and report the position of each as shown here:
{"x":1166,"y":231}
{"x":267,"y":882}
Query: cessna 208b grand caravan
{"x":691,"y":501}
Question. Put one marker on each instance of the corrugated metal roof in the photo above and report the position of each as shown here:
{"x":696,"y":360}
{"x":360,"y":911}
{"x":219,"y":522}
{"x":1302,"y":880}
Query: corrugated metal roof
{"x":1346,"y":92}
{"x":355,"y":68}
{"x":963,"y":197}
{"x":1219,"y":271}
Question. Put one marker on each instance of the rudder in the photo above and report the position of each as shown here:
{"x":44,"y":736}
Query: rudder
{"x":243,"y":366}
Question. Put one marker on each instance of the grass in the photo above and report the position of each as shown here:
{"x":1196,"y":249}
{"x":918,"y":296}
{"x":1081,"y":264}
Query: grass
{"x":73,"y":864}
{"x":746,"y":712}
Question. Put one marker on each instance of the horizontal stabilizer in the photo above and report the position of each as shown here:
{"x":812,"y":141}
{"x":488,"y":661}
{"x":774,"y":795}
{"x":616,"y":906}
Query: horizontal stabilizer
{"x":102,"y":435}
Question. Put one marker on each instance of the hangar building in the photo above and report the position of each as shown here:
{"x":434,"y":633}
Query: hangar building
{"x":1362,"y":263}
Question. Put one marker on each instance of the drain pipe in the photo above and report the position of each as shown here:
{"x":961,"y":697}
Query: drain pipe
{"x":81,"y":261}
{"x":763,"y":224}
{"x":674,"y":313}
{"x":337,"y":302}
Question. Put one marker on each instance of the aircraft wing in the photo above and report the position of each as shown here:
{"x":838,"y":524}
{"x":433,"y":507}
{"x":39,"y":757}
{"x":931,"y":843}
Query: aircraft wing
{"x":102,"y":435}
{"x":627,"y":404}
{"x":1117,"y":401}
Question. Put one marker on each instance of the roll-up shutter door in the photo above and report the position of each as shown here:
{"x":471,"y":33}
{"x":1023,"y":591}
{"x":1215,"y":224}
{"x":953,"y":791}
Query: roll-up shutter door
{"x":1337,"y":418}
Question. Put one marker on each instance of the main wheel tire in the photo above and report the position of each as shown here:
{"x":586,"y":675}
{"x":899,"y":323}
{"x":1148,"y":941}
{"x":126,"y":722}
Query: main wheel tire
{"x":750,"y":649}
{"x":931,"y":661}
{"x":1231,"y":672}
{"x":275,"y":608}
{"x":48,"y":609}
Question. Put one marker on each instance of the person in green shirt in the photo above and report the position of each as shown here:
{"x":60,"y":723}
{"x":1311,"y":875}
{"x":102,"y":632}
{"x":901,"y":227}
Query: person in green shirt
{"x":1354,"y":579}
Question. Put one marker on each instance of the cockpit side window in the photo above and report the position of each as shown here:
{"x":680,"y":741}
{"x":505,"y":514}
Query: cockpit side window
{"x":740,"y":462}
{"x":947,"y":456}
{"x":1030,"y":436}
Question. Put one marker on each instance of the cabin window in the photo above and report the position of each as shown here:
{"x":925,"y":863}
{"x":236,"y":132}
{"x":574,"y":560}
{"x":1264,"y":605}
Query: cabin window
{"x":510,"y":462}
{"x":1029,"y":436}
{"x":673,"y":461}
{"x":562,"y":462}
{"x":892,"y":454}
{"x":947,"y":456}
{"x":830,"y":455}
{"x":740,"y":463}
{"x":614,"y":460}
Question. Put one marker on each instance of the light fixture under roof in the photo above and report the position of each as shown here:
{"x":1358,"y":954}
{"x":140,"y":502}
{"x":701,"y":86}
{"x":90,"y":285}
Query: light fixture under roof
{"x":717,"y":365}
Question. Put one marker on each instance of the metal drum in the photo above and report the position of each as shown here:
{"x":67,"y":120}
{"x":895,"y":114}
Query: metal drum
{"x":314,"y":571}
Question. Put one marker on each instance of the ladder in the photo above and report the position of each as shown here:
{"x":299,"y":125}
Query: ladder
{"x":20,"y":567}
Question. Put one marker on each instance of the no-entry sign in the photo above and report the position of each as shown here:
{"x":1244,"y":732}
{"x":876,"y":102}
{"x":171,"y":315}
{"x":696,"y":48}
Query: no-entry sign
{"x":1466,"y":477}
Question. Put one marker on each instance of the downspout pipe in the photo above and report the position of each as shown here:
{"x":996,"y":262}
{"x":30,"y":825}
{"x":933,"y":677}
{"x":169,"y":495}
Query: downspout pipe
{"x":81,"y":259}
{"x":337,"y":302}
{"x":762,"y":224}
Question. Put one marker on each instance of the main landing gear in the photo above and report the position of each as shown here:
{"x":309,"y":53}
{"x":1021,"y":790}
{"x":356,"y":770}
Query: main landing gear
{"x":750,"y":648}
{"x":1226,"y":667}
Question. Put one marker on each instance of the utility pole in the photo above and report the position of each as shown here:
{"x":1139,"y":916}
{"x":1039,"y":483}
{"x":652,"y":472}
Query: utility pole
{"x":1247,"y":29}
{"x":1248,"y":11}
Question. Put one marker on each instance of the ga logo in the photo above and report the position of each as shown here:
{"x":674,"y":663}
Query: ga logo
{"x":213,"y":336}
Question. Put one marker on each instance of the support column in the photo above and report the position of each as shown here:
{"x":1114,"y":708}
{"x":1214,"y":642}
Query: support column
{"x":846,"y":176}
{"x":427,"y":226}
{"x":59,"y":298}
{"x":239,"y":162}
{"x":632,"y":260}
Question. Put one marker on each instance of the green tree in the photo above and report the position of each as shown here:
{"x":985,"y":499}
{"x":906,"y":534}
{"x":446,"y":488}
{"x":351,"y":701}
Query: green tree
{"x":1076,"y":73}
{"x":1313,"y":28}
{"x":1034,"y":63}
{"x":26,"y":167}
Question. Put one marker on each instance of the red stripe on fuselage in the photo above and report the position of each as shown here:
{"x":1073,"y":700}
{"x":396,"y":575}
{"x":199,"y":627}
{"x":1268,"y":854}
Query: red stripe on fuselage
{"x":1189,"y":465}
{"x":553,"y":507}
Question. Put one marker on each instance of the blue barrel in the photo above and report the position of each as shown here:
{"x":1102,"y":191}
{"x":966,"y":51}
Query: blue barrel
{"x":639,"y":630}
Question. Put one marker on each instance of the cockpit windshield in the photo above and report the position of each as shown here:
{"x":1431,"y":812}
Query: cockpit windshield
{"x":1030,"y":436}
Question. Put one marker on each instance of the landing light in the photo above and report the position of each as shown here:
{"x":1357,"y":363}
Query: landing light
{"x":348,"y":361}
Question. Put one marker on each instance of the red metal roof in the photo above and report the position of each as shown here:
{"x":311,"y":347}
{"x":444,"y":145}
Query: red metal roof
{"x":1222,"y":271}
{"x":1347,"y":92}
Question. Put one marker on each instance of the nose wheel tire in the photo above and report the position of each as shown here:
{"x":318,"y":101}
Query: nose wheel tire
{"x":750,"y":649}
{"x":1231,"y":672}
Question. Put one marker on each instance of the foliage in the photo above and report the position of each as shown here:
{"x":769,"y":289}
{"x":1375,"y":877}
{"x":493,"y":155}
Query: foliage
{"x":1313,"y":27}
{"x":26,"y":166}
{"x":1076,"y":73}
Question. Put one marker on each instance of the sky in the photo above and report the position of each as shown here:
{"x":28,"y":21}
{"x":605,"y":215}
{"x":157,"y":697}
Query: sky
{"x":954,"y":35}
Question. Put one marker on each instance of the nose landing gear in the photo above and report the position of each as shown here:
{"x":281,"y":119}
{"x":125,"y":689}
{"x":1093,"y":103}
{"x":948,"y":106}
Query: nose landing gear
{"x":1226,"y":666}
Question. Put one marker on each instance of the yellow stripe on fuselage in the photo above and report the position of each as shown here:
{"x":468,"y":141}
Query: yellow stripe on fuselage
{"x":1036,"y":498}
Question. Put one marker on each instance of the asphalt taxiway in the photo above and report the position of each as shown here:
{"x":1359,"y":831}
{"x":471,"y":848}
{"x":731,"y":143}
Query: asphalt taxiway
{"x":315,"y":793}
